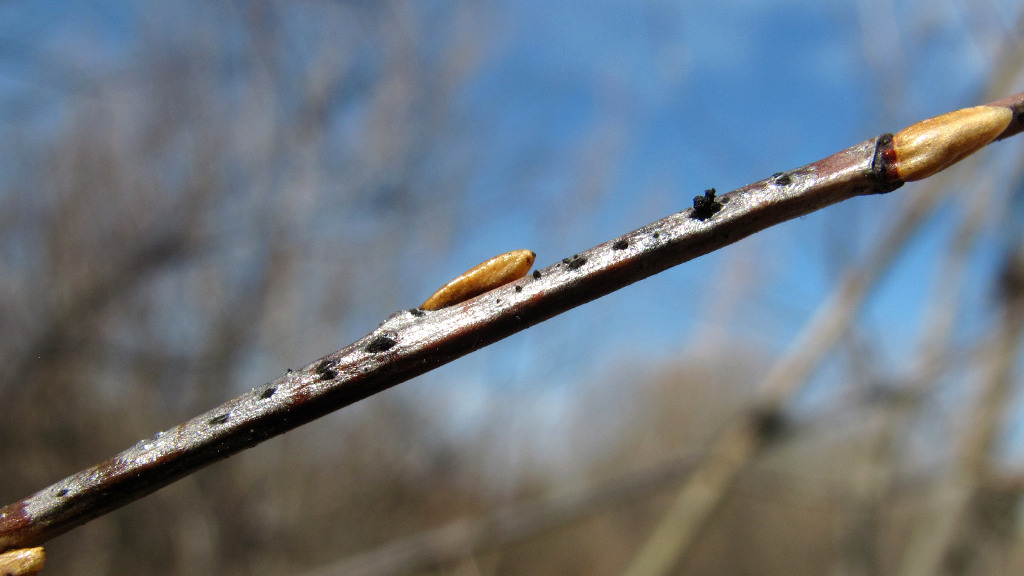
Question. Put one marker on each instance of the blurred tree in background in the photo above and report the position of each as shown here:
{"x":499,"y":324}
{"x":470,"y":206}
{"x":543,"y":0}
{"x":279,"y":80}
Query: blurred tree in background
{"x":196,"y":196}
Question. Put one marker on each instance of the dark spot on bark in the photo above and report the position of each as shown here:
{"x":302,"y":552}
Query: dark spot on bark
{"x":417,"y":312}
{"x":519,"y":288}
{"x":781,"y":179}
{"x":218,"y":420}
{"x":325,"y":370}
{"x":381,"y":343}
{"x":705,"y":206}
{"x":620,"y":245}
{"x":536,"y":274}
{"x":576,"y":262}
{"x":268,"y":393}
{"x":657,"y":234}
{"x":62,"y":492}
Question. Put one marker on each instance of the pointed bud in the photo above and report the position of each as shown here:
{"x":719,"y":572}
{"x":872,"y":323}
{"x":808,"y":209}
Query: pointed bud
{"x":924,"y":148}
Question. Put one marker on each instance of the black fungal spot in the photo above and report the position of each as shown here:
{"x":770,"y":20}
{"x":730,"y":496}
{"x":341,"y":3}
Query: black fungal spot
{"x":566,"y":260}
{"x":536,"y":274}
{"x":218,"y":420}
{"x":657,"y":234}
{"x":519,"y":288}
{"x":380,"y":344}
{"x":268,"y":393}
{"x":576,"y":262}
{"x":325,"y":371}
{"x":781,"y":179}
{"x":62,"y":492}
{"x":705,"y":206}
{"x":417,"y":312}
{"x":620,"y":245}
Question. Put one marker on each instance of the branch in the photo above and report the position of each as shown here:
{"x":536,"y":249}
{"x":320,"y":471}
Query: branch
{"x":412,"y":342}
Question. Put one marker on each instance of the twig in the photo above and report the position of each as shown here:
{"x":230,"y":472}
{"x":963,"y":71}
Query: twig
{"x":410,"y":343}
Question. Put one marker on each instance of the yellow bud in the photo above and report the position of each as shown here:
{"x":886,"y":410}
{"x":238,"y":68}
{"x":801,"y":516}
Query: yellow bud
{"x":924,"y":148}
{"x":22,"y":562}
{"x":484,"y":277}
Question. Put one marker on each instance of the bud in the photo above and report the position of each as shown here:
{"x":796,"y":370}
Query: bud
{"x":924,"y":148}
